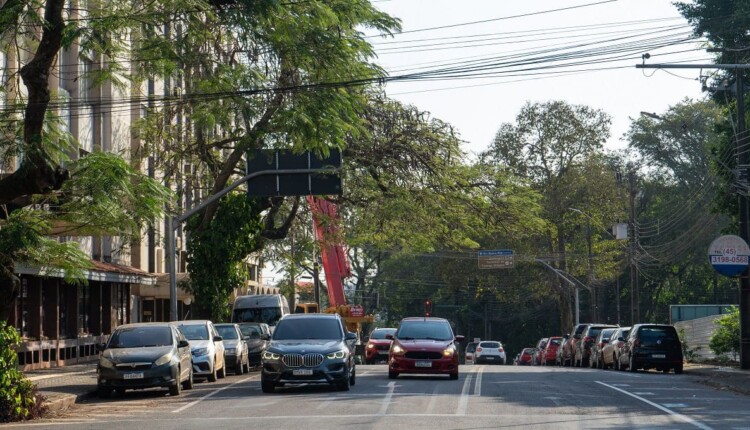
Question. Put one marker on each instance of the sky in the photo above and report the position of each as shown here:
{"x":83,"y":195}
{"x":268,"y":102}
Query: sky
{"x":607,"y":38}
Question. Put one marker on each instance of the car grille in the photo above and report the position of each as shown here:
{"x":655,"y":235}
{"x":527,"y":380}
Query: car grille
{"x":298,"y":360}
{"x":383,"y":347}
{"x":423,"y":355}
{"x":133,"y":366}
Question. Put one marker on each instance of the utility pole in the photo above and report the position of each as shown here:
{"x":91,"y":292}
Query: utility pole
{"x":635,"y":304}
{"x":742,"y":163}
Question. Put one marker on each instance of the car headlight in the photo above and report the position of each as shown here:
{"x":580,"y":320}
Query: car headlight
{"x":448,"y":352}
{"x":337,"y":354}
{"x":200,"y":351}
{"x":106,"y":363}
{"x":271,"y":355}
{"x":370,"y":346}
{"x":397,"y":349}
{"x":164,"y":359}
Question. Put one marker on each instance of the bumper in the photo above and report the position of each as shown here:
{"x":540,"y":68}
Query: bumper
{"x":489,"y":359}
{"x":162,"y":376}
{"x":203,"y":365}
{"x":232,"y":359}
{"x":328,"y":372}
{"x":254,"y":357}
{"x":376,"y":354}
{"x":651,"y":359}
{"x":439,"y":366}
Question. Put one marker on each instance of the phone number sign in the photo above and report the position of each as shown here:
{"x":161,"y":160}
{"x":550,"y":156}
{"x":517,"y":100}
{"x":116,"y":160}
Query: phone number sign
{"x":729,"y":255}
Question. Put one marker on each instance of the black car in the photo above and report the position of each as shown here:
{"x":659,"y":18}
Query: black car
{"x":257,"y":336}
{"x":310,"y":349}
{"x":144,"y":355}
{"x":652,"y":346}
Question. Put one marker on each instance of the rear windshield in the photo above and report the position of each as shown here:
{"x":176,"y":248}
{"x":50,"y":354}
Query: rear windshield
{"x":251,"y":330}
{"x":380,"y":333}
{"x":607,"y":333}
{"x":195,"y":331}
{"x":434,"y":330}
{"x":528,"y":351}
{"x":594,"y":331}
{"x":227,"y":332}
{"x":471,"y":347}
{"x":141,"y":337}
{"x":308,"y":328}
{"x":555,"y":342}
{"x":652,"y":334}
{"x":490,"y":344}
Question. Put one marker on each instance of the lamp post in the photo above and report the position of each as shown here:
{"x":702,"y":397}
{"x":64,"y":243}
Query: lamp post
{"x":594,"y":302}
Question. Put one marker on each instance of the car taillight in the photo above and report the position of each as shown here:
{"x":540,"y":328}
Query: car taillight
{"x":479,"y":349}
{"x":500,"y":350}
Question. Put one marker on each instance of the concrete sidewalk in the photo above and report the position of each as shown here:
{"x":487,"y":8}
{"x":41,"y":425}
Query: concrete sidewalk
{"x":64,"y":386}
{"x":720,"y":377}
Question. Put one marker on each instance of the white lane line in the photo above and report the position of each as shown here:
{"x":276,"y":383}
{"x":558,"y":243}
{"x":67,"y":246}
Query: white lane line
{"x":433,"y":400}
{"x":463,"y":402}
{"x":195,"y":402}
{"x":660,"y":407}
{"x":387,"y":398}
{"x":478,"y":383}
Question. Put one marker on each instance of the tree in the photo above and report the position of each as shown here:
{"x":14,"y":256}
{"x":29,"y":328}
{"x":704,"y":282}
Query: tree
{"x":726,"y":337}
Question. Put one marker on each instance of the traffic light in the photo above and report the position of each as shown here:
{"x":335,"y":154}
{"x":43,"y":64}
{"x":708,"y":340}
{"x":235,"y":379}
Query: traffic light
{"x":427,"y":307}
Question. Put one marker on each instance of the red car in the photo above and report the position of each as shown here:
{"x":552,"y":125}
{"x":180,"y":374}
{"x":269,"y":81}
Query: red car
{"x":549,"y":353}
{"x":424,"y":345}
{"x":378,"y":345}
{"x":526,"y":357}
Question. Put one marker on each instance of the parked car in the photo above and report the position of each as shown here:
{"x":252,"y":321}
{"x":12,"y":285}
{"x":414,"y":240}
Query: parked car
{"x":378,"y":345}
{"x":424,"y":345}
{"x":489,"y":352}
{"x":549,"y":354}
{"x":235,"y":347}
{"x":540,"y":345}
{"x":652,"y":346}
{"x":527,"y":356}
{"x":257,"y":336}
{"x":569,"y":350}
{"x":471,"y":348}
{"x":310,"y":349}
{"x":207,"y":348}
{"x":559,"y":360}
{"x":602,"y":339}
{"x":583,"y":345}
{"x":611,"y":350}
{"x":144,"y":355}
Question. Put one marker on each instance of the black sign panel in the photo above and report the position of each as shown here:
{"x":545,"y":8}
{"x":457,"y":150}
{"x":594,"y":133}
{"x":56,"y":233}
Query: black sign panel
{"x":293,"y":184}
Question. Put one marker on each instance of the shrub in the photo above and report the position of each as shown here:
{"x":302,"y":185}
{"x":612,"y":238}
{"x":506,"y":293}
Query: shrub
{"x":19,"y":398}
{"x":726,"y":338}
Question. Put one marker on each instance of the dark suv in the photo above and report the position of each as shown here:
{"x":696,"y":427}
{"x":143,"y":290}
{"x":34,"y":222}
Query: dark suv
{"x":310,"y":349}
{"x":583,"y":346}
{"x":653,"y":346}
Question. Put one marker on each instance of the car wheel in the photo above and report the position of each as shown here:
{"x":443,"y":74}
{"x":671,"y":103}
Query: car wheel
{"x":104,"y":393}
{"x":267,"y":386}
{"x":188,"y":384}
{"x":632,"y":366}
{"x":392,"y":375}
{"x":344,"y":385}
{"x":247,"y":365}
{"x":239,"y":368}
{"x":176,"y":389}
{"x":353,"y":377}
{"x":213,"y":376}
{"x":223,"y":372}
{"x":678,"y":369}
{"x":454,"y":376}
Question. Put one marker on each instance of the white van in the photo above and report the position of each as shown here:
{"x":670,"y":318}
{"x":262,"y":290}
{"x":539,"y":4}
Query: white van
{"x":261,"y":308}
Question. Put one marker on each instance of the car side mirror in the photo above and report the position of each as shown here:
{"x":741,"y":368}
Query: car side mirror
{"x":218,"y":338}
{"x":265,"y":336}
{"x":183,"y":344}
{"x":351,"y":336}
{"x":100,"y":347}
{"x":460,"y":338}
{"x":389,"y":336}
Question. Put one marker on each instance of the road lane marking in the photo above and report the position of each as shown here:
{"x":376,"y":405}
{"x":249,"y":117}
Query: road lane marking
{"x":478,"y":383}
{"x":660,"y":407}
{"x":195,"y":402}
{"x":646,"y":393}
{"x":674,"y":405}
{"x":433,"y":400}
{"x":463,"y":401}
{"x":387,"y":398}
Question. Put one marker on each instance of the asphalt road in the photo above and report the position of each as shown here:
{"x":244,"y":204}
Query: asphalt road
{"x":484,"y":397}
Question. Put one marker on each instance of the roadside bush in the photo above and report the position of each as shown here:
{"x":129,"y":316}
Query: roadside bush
{"x":726,"y":338}
{"x":19,"y":398}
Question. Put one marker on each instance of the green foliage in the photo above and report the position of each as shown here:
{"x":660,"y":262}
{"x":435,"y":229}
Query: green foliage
{"x":19,"y":399}
{"x":726,"y":337}
{"x":216,"y":254}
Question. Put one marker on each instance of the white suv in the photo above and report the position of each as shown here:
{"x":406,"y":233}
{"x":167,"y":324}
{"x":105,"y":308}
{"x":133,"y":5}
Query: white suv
{"x":489,"y":352}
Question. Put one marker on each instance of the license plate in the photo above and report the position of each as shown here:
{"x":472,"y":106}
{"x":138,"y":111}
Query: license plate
{"x":658,"y":356}
{"x":302,"y":372}
{"x":133,"y":375}
{"x":423,"y":364}
{"x":490,"y":358}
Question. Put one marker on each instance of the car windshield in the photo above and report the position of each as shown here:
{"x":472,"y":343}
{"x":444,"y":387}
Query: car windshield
{"x":251,"y":330}
{"x":227,"y":332}
{"x":141,"y":337}
{"x":490,"y":344}
{"x":555,"y":342}
{"x":380,"y":333}
{"x":434,"y":330}
{"x":269,"y":315}
{"x":308,"y":328}
{"x":653,"y":334}
{"x":195,"y":331}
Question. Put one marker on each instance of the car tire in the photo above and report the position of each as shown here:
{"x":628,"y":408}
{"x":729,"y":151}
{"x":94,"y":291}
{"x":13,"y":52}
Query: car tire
{"x":345,"y":384}
{"x":392,"y":375}
{"x":239,"y":368}
{"x":678,"y":369}
{"x":188,"y":384}
{"x":247,"y":365}
{"x":223,"y":372}
{"x":104,"y":393}
{"x":267,"y":386}
{"x":353,"y":377}
{"x":632,"y":365}
{"x":454,"y":376}
{"x":213,"y":376}
{"x":176,"y":388}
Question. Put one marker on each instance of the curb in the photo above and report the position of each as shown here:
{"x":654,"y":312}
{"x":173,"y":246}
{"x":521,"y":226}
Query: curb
{"x":63,"y":402}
